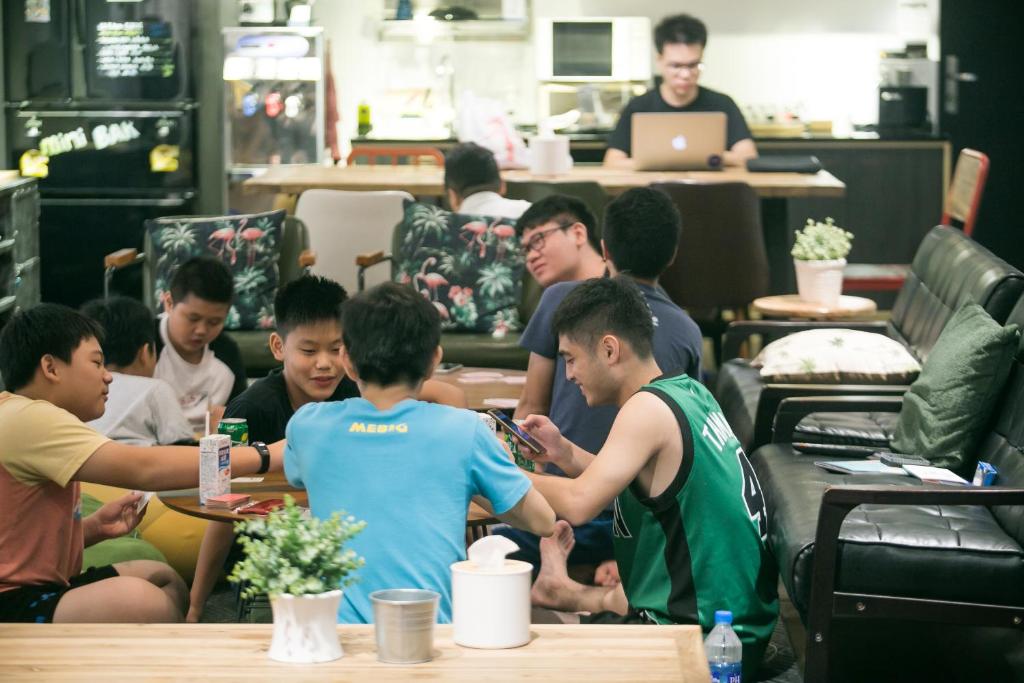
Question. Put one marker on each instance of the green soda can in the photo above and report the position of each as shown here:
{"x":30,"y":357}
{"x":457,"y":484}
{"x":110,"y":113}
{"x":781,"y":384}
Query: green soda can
{"x":517,"y":455}
{"x":237,"y":428}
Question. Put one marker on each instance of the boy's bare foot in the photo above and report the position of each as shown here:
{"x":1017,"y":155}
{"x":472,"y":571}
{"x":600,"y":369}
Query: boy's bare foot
{"x":553,"y":580}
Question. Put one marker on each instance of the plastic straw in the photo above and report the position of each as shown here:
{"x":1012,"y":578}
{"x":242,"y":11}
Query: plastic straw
{"x":207,"y":423}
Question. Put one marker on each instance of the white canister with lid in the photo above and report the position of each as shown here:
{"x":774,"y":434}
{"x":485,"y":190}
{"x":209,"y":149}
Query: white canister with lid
{"x":491,"y":596}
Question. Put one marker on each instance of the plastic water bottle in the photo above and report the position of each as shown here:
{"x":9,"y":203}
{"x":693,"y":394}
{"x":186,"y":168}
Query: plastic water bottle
{"x":724,"y":650}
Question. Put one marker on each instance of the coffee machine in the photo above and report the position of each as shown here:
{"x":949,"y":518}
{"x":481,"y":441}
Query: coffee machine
{"x":908,"y":94}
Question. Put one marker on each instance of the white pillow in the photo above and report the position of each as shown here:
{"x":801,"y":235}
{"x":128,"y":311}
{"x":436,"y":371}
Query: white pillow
{"x":837,"y":356}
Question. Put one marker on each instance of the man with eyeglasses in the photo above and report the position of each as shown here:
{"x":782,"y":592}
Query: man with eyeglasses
{"x":559,"y":239}
{"x":680,"y":41}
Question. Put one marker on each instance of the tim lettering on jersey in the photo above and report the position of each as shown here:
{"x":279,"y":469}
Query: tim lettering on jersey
{"x":378,"y":428}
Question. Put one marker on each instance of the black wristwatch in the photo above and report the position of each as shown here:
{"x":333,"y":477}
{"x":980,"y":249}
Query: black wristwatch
{"x":264,"y":452}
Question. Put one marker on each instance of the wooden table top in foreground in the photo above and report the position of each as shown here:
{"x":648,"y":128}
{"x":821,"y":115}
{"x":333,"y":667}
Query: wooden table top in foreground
{"x":238,"y":652}
{"x":274,"y":485}
{"x":792,"y":306}
{"x":429,"y":180}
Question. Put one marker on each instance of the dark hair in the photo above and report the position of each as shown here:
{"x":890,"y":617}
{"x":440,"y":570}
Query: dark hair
{"x":45,"y":329}
{"x":470,"y":168}
{"x":390,"y":333}
{"x":641,"y":232}
{"x":681,"y":28}
{"x":206,"y":278}
{"x":127,"y":326}
{"x":308,"y":300}
{"x":561,"y":208}
{"x":603,"y":306}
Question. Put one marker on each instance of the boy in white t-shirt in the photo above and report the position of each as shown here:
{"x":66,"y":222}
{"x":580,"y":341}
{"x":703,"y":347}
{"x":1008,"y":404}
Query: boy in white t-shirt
{"x":203,"y":366}
{"x":141,"y":410}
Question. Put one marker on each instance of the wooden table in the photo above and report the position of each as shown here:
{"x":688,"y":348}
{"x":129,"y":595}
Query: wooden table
{"x":792,"y":306}
{"x":238,"y":652}
{"x":478,"y":392}
{"x":429,"y":180}
{"x":274,"y":485}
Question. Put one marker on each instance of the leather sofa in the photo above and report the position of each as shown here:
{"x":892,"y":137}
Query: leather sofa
{"x":881,"y":547}
{"x":948,"y":270}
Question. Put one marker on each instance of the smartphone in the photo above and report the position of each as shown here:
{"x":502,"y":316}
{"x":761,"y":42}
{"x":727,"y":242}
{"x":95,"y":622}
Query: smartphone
{"x":444,"y":368}
{"x":505,"y":420}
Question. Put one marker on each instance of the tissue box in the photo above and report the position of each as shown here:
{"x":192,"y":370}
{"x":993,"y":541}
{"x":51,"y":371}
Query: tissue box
{"x":985,"y":474}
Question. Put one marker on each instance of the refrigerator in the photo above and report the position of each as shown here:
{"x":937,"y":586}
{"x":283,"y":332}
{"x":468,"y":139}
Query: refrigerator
{"x":273,"y":97}
{"x":100,"y":109}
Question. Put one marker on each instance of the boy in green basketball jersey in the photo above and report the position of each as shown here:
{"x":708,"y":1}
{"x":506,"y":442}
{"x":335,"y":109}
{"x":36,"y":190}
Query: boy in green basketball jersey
{"x":690,"y":521}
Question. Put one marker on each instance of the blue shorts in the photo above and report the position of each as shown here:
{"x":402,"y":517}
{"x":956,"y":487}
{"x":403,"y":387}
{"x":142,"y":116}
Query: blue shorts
{"x":36,"y":604}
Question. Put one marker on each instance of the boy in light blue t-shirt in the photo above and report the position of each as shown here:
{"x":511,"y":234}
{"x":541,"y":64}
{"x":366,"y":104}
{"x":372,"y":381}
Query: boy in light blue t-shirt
{"x":408,"y":468}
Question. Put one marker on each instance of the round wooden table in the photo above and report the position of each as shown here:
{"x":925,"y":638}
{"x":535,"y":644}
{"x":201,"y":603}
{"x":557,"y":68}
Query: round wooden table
{"x":274,"y":485}
{"x":792,"y":306}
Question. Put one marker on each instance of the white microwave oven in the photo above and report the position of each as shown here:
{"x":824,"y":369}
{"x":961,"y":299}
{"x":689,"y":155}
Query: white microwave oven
{"x":593,"y":49}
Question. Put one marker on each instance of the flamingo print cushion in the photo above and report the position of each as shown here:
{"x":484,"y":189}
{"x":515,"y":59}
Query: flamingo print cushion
{"x":248,"y":244}
{"x":470,"y":267}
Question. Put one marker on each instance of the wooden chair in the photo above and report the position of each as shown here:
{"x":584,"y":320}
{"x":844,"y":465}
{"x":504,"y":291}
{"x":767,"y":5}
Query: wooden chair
{"x":960,"y":211}
{"x":415,"y":153}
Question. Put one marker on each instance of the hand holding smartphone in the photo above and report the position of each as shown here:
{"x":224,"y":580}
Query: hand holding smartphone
{"x":505,"y":420}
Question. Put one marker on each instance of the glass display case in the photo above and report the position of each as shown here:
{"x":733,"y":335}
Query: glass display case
{"x":273,"y":97}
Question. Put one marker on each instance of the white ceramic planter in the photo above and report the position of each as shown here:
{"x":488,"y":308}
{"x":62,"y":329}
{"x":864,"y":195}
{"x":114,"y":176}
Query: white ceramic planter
{"x":820,"y":282}
{"x":306,"y":628}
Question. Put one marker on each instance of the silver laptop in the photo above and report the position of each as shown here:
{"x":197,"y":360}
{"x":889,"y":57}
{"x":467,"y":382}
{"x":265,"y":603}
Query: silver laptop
{"x":678,"y":141}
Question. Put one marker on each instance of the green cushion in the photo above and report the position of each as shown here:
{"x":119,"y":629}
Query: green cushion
{"x":123,"y":549}
{"x":254,"y":347}
{"x":483,"y":350}
{"x":948,"y":407}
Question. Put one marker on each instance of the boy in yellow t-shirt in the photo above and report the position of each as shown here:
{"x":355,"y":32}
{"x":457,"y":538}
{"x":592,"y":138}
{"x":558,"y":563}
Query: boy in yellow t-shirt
{"x":51,"y":360}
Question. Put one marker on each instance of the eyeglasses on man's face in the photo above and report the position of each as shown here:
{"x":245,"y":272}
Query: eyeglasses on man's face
{"x":536,"y":241}
{"x":693,"y":68}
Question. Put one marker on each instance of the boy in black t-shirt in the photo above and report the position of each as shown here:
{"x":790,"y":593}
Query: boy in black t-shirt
{"x":308,"y":344}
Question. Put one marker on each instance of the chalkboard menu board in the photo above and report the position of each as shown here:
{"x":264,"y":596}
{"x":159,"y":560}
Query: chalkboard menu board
{"x":134,"y":49}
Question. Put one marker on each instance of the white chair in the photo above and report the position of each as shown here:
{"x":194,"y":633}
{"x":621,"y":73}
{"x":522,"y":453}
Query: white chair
{"x":344,"y":224}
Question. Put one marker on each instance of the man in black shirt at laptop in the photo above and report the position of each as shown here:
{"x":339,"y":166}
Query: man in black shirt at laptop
{"x":680,"y":41}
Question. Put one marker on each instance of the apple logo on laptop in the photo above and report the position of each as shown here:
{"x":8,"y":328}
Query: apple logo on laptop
{"x":679,"y":143}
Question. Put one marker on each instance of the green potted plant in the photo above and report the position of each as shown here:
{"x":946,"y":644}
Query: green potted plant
{"x":819,"y":255}
{"x":301,"y":564}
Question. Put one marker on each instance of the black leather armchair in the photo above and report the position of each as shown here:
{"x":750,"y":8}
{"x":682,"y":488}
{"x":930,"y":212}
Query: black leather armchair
{"x":949,"y":269}
{"x":881,"y":547}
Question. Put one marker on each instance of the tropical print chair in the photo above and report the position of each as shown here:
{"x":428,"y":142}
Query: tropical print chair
{"x":469,"y":267}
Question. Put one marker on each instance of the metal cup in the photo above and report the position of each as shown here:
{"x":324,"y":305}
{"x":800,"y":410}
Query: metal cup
{"x":404,"y":621}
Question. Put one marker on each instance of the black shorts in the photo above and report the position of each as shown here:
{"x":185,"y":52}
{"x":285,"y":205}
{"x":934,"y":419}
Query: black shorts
{"x":633,"y":616}
{"x":36,"y":604}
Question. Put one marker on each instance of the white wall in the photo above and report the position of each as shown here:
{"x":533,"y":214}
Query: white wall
{"x":818,"y":55}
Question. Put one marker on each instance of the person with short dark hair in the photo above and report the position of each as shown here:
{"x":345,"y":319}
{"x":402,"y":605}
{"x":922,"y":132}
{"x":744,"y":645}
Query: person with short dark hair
{"x":52,"y":361}
{"x":640,"y":238}
{"x":680,"y":41}
{"x":202,"y":365}
{"x":408,"y":468}
{"x":141,"y":409}
{"x":307,"y":343}
{"x":473,"y":183}
{"x":689,"y":517}
{"x":559,"y":238}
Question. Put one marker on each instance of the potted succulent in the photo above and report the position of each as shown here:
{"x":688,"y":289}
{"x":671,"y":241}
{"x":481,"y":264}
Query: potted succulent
{"x":819,"y":255}
{"x":301,"y":563}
